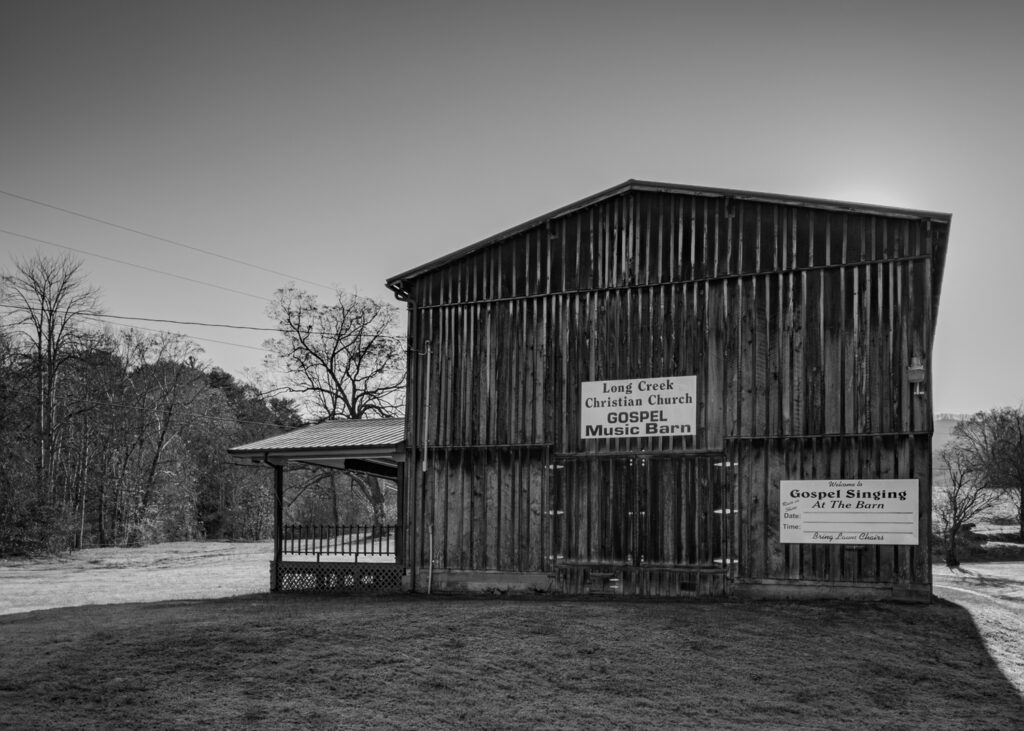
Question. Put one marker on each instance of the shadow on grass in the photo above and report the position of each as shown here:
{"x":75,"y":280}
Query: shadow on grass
{"x":981,"y":579}
{"x":294,"y":661}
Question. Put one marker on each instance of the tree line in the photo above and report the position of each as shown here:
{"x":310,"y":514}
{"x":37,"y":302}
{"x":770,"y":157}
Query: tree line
{"x":116,"y":437}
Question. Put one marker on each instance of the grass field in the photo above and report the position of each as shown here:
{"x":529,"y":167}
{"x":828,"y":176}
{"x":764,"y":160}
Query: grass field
{"x":287,"y":661}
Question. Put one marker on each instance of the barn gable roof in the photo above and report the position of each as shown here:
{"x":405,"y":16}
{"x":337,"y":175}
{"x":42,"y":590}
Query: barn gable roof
{"x":396,"y":283}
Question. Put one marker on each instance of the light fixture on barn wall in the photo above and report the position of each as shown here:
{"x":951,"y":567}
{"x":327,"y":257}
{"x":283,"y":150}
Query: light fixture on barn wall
{"x":916,"y":374}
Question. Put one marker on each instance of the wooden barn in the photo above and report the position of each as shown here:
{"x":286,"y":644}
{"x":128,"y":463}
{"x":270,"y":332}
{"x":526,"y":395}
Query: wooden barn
{"x":676,"y":391}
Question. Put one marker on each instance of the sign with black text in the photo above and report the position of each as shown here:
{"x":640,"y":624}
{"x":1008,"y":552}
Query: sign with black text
{"x":638,"y":407}
{"x":879,"y":512}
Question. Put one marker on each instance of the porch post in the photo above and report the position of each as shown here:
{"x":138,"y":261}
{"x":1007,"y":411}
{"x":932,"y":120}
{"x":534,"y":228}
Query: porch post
{"x":275,"y":579}
{"x":400,"y":529}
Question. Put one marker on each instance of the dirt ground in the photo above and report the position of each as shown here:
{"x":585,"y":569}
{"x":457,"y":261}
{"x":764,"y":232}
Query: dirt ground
{"x":164,"y":572}
{"x":993,"y":594}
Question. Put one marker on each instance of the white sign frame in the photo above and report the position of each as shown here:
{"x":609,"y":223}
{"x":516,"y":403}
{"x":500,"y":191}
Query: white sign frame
{"x":663,"y":406}
{"x":849,"y":512}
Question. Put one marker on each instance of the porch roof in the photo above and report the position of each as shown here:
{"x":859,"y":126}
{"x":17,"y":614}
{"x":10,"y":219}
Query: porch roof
{"x":374,"y":446}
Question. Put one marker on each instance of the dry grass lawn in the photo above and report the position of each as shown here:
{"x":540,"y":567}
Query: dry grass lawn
{"x":306,"y":662}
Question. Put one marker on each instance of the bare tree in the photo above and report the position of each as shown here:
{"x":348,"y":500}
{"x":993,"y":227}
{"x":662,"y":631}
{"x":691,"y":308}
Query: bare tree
{"x":49,"y":298}
{"x":993,"y":442}
{"x":345,"y":360}
{"x":964,"y":498}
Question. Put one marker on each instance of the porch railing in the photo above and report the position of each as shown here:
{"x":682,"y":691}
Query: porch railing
{"x":350,"y":541}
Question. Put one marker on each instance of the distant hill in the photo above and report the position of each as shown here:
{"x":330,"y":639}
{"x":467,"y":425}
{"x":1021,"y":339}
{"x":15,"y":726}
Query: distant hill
{"x":944,"y":424}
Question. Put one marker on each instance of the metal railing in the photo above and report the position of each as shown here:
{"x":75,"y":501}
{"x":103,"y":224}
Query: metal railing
{"x":339,"y":540}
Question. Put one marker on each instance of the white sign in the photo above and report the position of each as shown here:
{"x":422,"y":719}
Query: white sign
{"x":862,"y":512}
{"x":638,"y":407}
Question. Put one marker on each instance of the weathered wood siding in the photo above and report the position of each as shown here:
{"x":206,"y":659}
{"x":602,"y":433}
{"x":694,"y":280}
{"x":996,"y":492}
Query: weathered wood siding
{"x":644,"y":511}
{"x":799,"y":323}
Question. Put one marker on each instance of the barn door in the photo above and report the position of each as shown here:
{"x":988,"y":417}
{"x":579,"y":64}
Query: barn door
{"x":643,"y":511}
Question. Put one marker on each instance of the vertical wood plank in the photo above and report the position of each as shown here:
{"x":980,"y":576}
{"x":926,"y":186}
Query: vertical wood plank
{"x":747,"y":359}
{"x":811,"y":555}
{"x":508,"y":524}
{"x":774,"y":339}
{"x":836,"y":470}
{"x":731,"y":297}
{"x":814,"y":416}
{"x":536,"y":475}
{"x":886,"y":471}
{"x":714,"y":424}
{"x":786,"y":356}
{"x":774,"y":552}
{"x":794,"y":553}
{"x":491,"y":510}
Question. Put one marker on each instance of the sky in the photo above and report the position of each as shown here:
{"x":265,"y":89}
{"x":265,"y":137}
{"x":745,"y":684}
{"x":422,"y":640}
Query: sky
{"x":197,"y":156}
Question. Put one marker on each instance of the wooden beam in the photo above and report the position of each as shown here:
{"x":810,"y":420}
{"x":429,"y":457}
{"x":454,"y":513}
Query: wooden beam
{"x":275,"y":584}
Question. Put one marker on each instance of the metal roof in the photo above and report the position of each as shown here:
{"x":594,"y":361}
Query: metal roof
{"x":342,"y":444}
{"x":396,"y":283}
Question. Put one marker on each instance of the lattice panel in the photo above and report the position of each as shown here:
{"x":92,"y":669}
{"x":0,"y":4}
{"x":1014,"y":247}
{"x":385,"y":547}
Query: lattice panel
{"x":338,"y":578}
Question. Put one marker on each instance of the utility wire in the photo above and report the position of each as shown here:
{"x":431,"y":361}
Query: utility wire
{"x":104,"y":319}
{"x":236,"y":327}
{"x":161,"y":238}
{"x":103,"y":315}
{"x":187,"y":322}
{"x":137,"y":266}
{"x":192,"y":337}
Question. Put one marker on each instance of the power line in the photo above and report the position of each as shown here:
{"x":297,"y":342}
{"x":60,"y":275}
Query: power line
{"x":192,"y":337}
{"x":161,"y":239}
{"x":137,"y":266}
{"x":104,"y":319}
{"x":104,"y":315}
{"x":189,"y":322}
{"x":236,"y":327}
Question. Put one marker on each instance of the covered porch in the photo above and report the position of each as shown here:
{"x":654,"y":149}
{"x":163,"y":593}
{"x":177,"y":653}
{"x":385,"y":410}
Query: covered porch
{"x":336,"y":558}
